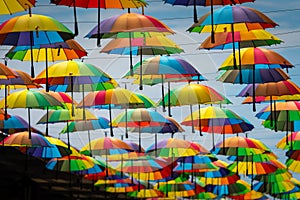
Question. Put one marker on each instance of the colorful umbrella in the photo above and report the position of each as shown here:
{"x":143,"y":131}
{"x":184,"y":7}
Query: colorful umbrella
{"x":15,"y":124}
{"x":290,"y":142}
{"x":204,"y":3}
{"x":23,"y":139}
{"x":121,"y":4}
{"x":232,"y":18}
{"x":19,"y":31}
{"x":14,"y":6}
{"x":139,"y":117}
{"x":165,"y":67}
{"x":106,"y":146}
{"x":191,"y":94}
{"x":242,"y":39}
{"x":100,"y":123}
{"x":260,"y":57}
{"x":217,"y":120}
{"x":6,"y":72}
{"x":110,"y":98}
{"x":146,"y":193}
{"x":29,"y":99}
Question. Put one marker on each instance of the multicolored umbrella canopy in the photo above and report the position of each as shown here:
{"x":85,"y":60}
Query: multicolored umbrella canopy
{"x":232,"y":18}
{"x":15,"y":124}
{"x":129,"y":22}
{"x":174,"y":148}
{"x":120,"y":4}
{"x":242,"y":39}
{"x":165,"y":68}
{"x":290,"y":142}
{"x":33,"y":29}
{"x":260,"y":57}
{"x":67,"y":50}
{"x":217,"y":120}
{"x":140,"y":117}
{"x":274,"y":188}
{"x":204,"y":3}
{"x":29,"y":99}
{"x":22,"y":80}
{"x":6,"y":72}
{"x":75,"y":72}
{"x":109,"y":98}
{"x":14,"y":6}
{"x":23,"y":139}
{"x":106,"y":146}
{"x":146,"y":193}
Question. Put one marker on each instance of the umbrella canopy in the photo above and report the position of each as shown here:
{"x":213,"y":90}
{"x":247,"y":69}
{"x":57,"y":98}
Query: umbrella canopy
{"x":242,"y":39}
{"x":232,"y":18}
{"x":67,"y":50}
{"x":174,"y":147}
{"x":6,"y":72}
{"x":22,"y":80}
{"x":159,"y":45}
{"x":252,"y":76}
{"x":260,"y":57}
{"x":203,"y":3}
{"x":129,"y":22}
{"x":100,"y":123}
{"x":106,"y":146}
{"x":14,"y":6}
{"x":79,"y":72}
{"x":22,"y":139}
{"x":16,"y":124}
{"x":18,"y":30}
{"x":271,"y":89}
{"x":140,"y":117}
{"x":146,"y":193}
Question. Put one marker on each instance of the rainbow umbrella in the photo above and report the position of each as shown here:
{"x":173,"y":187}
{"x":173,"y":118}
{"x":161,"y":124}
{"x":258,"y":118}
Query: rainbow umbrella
{"x":23,"y":139}
{"x":31,"y":30}
{"x":191,"y":94}
{"x":270,"y":89}
{"x":232,"y":18}
{"x":15,"y":124}
{"x":14,"y":6}
{"x":29,"y":99}
{"x":139,"y":117}
{"x":242,"y":39}
{"x":67,"y":50}
{"x":260,"y":57}
{"x":100,"y":123}
{"x":121,"y":4}
{"x":110,"y":99}
{"x":217,"y":120}
{"x":106,"y":146}
{"x":290,"y":142}
{"x":175,"y":148}
{"x":165,"y":66}
{"x":204,"y":3}
{"x":275,"y":188}
{"x":6,"y":72}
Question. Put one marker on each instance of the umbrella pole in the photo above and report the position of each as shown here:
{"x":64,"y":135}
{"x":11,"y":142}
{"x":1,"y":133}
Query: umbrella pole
{"x":233,"y":47}
{"x":271,"y":110}
{"x":90,"y":146}
{"x":29,"y":125}
{"x":155,"y":144}
{"x":200,"y":122}
{"x":31,"y":53}
{"x":287,"y":130}
{"x":275,"y":117}
{"x":47,"y":121}
{"x":195,"y":12}
{"x":75,"y":19}
{"x":169,"y":99}
{"x":192,"y":119}
{"x":141,"y":69}
{"x":126,"y":125}
{"x":98,"y":27}
{"x":163,"y":94}
{"x":47,"y":74}
{"x":83,"y":103}
{"x":5,"y":102}
{"x":240,"y":63}
{"x":69,"y":146}
{"x":110,"y":119}
{"x":253,"y":89}
{"x":140,"y":140}
{"x":130,"y":55}
{"x":72,"y":94}
{"x":212,"y":22}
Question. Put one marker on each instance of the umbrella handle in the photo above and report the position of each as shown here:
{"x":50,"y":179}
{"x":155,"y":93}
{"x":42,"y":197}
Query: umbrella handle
{"x":195,"y":12}
{"x":75,"y":19}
